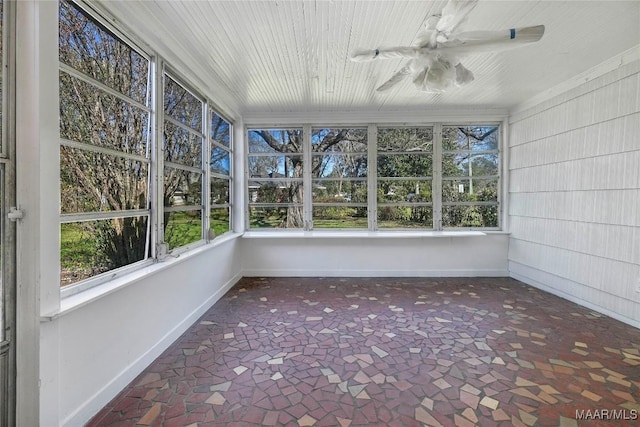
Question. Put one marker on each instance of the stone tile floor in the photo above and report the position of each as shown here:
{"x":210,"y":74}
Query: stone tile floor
{"x":389,"y":352}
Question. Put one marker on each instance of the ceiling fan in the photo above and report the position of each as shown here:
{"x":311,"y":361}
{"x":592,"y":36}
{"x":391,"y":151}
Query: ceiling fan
{"x":434,"y":57}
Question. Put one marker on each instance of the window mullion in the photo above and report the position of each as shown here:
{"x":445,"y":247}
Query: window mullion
{"x":206,"y":173}
{"x":372,"y":173}
{"x":436,"y":193}
{"x":307,"y":181}
{"x":157,"y":155}
{"x":503,"y":178}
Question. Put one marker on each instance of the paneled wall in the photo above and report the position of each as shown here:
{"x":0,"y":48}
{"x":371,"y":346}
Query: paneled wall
{"x":575,"y":194}
{"x":429,"y":256}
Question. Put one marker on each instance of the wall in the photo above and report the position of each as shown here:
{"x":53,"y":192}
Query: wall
{"x":74,"y":358}
{"x":91,"y":353}
{"x":574,"y":187}
{"x":374,"y":256}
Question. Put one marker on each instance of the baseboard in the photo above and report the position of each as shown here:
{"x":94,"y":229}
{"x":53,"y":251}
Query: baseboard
{"x":96,"y":402}
{"x":373,"y":273}
{"x":574,"y":299}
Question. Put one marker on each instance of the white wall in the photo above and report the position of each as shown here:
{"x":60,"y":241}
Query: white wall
{"x":91,"y":353}
{"x":371,"y":256}
{"x":574,"y":187}
{"x":72,"y":360}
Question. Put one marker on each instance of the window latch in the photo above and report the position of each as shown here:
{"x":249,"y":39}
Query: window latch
{"x":15,"y":214}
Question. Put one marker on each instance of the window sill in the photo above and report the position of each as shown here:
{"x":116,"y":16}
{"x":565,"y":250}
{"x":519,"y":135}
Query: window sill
{"x":81,"y":299}
{"x":364,"y":234}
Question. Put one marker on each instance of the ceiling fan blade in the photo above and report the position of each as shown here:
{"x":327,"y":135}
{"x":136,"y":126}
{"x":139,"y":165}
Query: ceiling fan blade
{"x":384,"y":53}
{"x":490,"y":41}
{"x":395,"y":79}
{"x":454,"y":14}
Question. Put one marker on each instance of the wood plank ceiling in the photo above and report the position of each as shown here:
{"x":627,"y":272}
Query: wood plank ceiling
{"x":283,"y":56}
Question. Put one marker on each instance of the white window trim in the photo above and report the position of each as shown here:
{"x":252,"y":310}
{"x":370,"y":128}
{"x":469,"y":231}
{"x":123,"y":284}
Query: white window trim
{"x":105,"y":283}
{"x":372,"y":179}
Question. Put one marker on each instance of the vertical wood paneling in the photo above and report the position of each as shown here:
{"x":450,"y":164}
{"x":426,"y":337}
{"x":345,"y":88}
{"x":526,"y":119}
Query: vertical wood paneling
{"x":575,"y":194}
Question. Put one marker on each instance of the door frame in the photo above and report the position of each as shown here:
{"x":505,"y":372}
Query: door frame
{"x":7,"y":226}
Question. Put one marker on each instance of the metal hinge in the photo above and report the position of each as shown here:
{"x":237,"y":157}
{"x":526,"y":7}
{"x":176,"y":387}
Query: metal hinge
{"x":15,"y":214}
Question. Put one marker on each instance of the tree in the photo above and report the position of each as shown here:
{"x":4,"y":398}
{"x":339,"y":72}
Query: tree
{"x":470,"y":153}
{"x":105,"y":142}
{"x":99,"y":180}
{"x":407,"y":155}
{"x":287,"y":164}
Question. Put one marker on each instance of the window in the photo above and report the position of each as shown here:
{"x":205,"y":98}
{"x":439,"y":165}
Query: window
{"x":220,"y":175}
{"x":275,"y":188}
{"x":127,"y":193}
{"x":470,"y":176}
{"x":405,"y":170}
{"x":431,"y":177}
{"x":104,"y":149}
{"x":183,"y":166}
{"x":339,"y":170}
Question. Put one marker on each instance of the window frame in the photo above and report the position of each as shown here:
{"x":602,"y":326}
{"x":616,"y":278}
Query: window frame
{"x":164,"y":247}
{"x":372,"y":174}
{"x":498,"y":177}
{"x":211,"y":143}
{"x":430,"y":179}
{"x":157,"y":250}
{"x":89,"y":282}
{"x":302,"y":180}
{"x":310,"y":218}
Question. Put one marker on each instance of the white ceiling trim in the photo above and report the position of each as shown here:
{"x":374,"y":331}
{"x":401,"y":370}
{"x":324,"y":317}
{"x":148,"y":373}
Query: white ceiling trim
{"x":387,"y":117}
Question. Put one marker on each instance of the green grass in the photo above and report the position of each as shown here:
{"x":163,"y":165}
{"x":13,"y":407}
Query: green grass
{"x":78,"y":253}
{"x":183,"y":228}
{"x":348,"y":222}
{"x":77,"y":246}
{"x":219,"y":221}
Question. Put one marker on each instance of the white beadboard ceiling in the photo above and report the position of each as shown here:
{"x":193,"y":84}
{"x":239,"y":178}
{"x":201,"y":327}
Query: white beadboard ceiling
{"x":280,"y":56}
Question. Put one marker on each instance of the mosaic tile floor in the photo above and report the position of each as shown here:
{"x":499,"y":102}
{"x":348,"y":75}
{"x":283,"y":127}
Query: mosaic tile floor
{"x":389,"y":352}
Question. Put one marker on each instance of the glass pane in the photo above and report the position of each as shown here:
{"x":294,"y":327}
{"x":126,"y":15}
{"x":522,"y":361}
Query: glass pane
{"x":90,"y":48}
{"x":336,"y":165}
{"x":469,"y":138}
{"x":334,"y":191}
{"x":345,"y":140}
{"x":219,"y":221}
{"x":265,"y":191}
{"x":220,"y":130}
{"x":409,"y":191}
{"x":92,"y":182}
{"x":282,"y":216}
{"x":220,"y":160}
{"x":93,"y":247}
{"x":91,"y":116}
{"x":470,"y":190}
{"x":182,"y":105}
{"x":466,"y":164}
{"x":275,"y":140}
{"x":219,"y":191}
{"x":339,"y":217}
{"x":405,"y":217}
{"x":406,"y":139}
{"x":182,"y":188}
{"x":405,"y":165}
{"x":470,"y":216}
{"x":275,"y":166}
{"x":182,"y":228}
{"x":182,"y":146}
